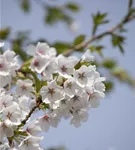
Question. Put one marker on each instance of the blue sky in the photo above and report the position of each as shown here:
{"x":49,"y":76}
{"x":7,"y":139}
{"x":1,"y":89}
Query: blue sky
{"x":113,"y":123}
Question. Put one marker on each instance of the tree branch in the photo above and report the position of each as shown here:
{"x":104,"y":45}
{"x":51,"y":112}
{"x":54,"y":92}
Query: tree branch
{"x":126,"y":19}
{"x":29,"y":114}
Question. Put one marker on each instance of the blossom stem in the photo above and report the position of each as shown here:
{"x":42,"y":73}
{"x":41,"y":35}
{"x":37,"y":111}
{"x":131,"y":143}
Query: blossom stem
{"x":29,"y":115}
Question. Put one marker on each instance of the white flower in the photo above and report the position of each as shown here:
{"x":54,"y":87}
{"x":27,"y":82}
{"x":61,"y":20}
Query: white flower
{"x":66,"y":65}
{"x":8,"y":65}
{"x":98,"y":85}
{"x":12,"y":61}
{"x":4,"y":146}
{"x":44,"y":50}
{"x":41,"y":49}
{"x":31,"y":143}
{"x":93,"y":96}
{"x":87,"y":57}
{"x":47,"y":74}
{"x":48,"y":120}
{"x":5,"y":80}
{"x":71,"y":87}
{"x":79,"y":116}
{"x":23,"y":103}
{"x":52,"y":94}
{"x":83,"y":74}
{"x":13,"y":114}
{"x":6,"y":129}
{"x":33,"y":128}
{"x":1,"y":44}
{"x":38,"y":64}
{"x":4,"y":66}
{"x":64,"y":108}
{"x":24,"y":87}
{"x":64,"y":92}
{"x":9,"y":55}
{"x":5,"y":100}
{"x":78,"y":102}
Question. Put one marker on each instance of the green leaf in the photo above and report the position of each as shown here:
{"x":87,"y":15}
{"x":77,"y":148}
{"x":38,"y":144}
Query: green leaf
{"x":98,"y":19}
{"x":121,"y":48}
{"x":55,"y":15}
{"x":132,"y":12}
{"x":123,"y":76}
{"x":97,"y":49}
{"x":4,"y":33}
{"x":25,"y":5}
{"x":26,"y":64}
{"x":78,"y":40}
{"x":37,"y":81}
{"x":61,"y":47}
{"x":109,"y":63}
{"x":18,"y":50}
{"x":23,"y":133}
{"x":118,"y":41}
{"x":43,"y":106}
{"x":73,"y":7}
{"x":1,"y":50}
{"x":130,"y":4}
{"x":109,"y":85}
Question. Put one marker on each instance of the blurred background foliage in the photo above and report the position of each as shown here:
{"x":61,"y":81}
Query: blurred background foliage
{"x":63,"y":13}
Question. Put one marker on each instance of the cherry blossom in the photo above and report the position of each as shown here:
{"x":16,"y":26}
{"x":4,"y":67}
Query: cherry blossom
{"x":6,"y":129}
{"x":31,"y":143}
{"x":66,"y":65}
{"x":57,"y":86}
{"x":52,"y":94}
{"x":24,"y":87}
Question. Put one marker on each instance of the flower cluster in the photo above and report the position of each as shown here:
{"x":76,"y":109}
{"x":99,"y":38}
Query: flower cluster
{"x":62,"y":87}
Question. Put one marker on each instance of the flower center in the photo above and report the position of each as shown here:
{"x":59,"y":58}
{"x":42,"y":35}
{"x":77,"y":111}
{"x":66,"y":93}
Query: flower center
{"x":9,"y":115}
{"x":63,"y":68}
{"x":51,"y":91}
{"x":1,"y":66}
{"x":69,"y":85}
{"x":81,"y":75}
{"x":36,"y":63}
{"x":41,"y":51}
{"x":4,"y":104}
{"x":24,"y":87}
{"x":46,"y":117}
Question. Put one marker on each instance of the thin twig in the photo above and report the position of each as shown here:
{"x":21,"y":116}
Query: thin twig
{"x":94,"y":38}
{"x":29,"y":115}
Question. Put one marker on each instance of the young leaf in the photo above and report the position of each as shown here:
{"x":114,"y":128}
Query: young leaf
{"x":25,"y":4}
{"x":97,"y":49}
{"x":54,"y":15}
{"x":4,"y":33}
{"x":61,"y":47}
{"x":73,"y":7}
{"x":117,"y":41}
{"x":79,"y":39}
{"x":121,"y":48}
{"x":18,"y":50}
{"x":98,"y":19}
{"x":130,"y":4}
{"x":109,"y":63}
{"x":109,"y":85}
